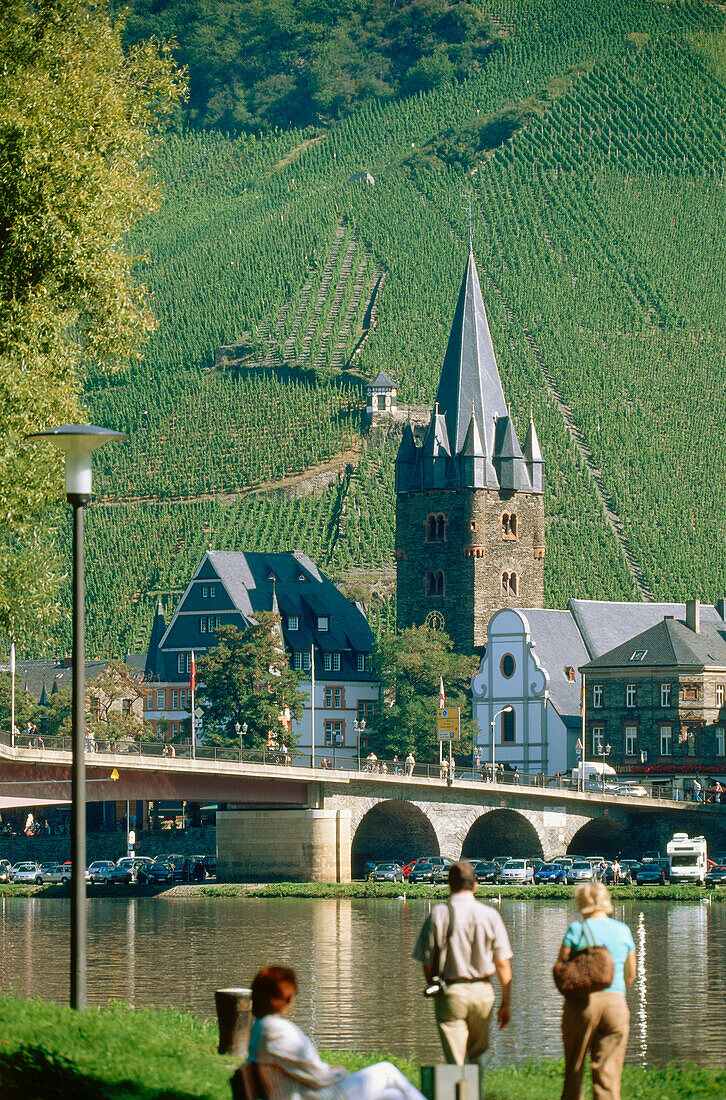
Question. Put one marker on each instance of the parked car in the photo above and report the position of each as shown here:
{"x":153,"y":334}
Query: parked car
{"x":628,"y":869}
{"x":387,"y":872}
{"x":210,"y":866}
{"x":716,"y":876}
{"x":647,"y":857}
{"x":550,"y":872}
{"x":517,"y":870}
{"x":66,"y":872}
{"x":486,"y":870}
{"x":27,"y":872}
{"x":422,"y":872}
{"x":161,"y":870}
{"x":634,"y":790}
{"x":580,"y":870}
{"x":126,"y":870}
{"x":651,"y":873}
{"x":98,"y":871}
{"x":51,"y":872}
{"x":435,"y":861}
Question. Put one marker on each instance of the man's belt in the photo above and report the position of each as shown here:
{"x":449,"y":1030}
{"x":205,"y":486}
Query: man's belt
{"x":457,"y":981}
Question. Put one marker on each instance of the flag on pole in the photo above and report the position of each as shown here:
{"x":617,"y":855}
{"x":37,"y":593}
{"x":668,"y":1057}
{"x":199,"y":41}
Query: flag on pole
{"x":442,"y":694}
{"x":193,"y":678}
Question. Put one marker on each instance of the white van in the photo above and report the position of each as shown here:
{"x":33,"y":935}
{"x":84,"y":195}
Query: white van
{"x":687,"y":858}
{"x":594,"y":775}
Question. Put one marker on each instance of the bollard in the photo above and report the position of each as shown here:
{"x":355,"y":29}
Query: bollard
{"x":234,"y":1015}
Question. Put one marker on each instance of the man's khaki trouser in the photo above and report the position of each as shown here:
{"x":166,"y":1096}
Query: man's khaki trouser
{"x":462,"y":1017}
{"x":601,"y":1025}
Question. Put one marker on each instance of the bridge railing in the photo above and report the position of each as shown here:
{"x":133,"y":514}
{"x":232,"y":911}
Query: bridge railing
{"x":328,"y":758}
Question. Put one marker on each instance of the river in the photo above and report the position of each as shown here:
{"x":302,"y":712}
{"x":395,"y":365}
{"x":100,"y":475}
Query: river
{"x":359,"y":987}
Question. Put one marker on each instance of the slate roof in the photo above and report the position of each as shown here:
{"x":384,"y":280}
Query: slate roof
{"x":382,"y":382}
{"x":33,"y":676}
{"x":558,"y":646}
{"x":252,"y":582}
{"x":470,"y":389}
{"x":670,"y":643}
{"x":604,"y":624}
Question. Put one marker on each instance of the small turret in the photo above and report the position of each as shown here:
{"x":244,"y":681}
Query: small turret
{"x":508,"y":457}
{"x":436,"y":452}
{"x":406,"y":462}
{"x":158,"y":631}
{"x":533,"y":457}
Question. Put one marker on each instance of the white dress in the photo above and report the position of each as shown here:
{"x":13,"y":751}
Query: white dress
{"x":291,"y":1069}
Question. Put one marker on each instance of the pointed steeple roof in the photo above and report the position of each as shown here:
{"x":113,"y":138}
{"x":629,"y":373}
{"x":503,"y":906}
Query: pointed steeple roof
{"x":158,"y":630}
{"x":470,"y":373}
{"x":532,"y":449}
{"x":506,"y":443}
{"x":43,"y":701}
{"x":473,"y":447}
{"x":436,"y":440}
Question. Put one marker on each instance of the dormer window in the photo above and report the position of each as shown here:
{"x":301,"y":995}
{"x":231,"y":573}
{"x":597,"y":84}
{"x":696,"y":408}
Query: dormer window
{"x":301,"y":577}
{"x":293,"y":622}
{"x":323,"y":622}
{"x":570,"y":673}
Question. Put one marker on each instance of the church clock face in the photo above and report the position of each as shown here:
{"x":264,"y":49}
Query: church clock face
{"x":435,"y":620}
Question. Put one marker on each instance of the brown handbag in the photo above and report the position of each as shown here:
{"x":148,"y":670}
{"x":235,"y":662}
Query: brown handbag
{"x":586,"y":971}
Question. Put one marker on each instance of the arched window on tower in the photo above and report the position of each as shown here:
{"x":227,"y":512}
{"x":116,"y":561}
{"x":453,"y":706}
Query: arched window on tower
{"x":509,"y":525}
{"x":509,"y":727}
{"x":510,"y":584}
{"x":439,"y":583}
{"x":435,"y":584}
{"x":436,"y":527}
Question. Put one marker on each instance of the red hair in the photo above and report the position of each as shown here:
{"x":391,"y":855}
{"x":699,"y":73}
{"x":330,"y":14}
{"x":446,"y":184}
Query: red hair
{"x":272,"y":989}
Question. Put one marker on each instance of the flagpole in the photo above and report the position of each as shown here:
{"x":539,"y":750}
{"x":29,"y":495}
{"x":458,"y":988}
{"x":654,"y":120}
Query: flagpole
{"x":12,"y":694}
{"x":312,"y":706}
{"x":193,"y":685}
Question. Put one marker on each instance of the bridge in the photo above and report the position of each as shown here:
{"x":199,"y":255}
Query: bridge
{"x":300,"y":823}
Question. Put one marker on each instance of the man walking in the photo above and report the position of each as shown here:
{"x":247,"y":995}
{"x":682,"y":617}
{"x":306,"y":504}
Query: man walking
{"x":465,"y":943}
{"x":410,"y":763}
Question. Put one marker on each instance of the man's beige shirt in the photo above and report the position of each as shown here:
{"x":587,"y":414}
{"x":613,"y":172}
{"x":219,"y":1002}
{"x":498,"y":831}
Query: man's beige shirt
{"x":478,"y":938}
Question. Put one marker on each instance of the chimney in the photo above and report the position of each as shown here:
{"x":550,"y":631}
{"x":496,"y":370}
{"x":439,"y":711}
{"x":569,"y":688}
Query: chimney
{"x":693,"y":615}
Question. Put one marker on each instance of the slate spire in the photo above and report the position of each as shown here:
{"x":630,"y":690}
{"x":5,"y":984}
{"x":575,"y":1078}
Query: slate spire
{"x":153,"y":656}
{"x":533,"y":457}
{"x":469,"y":374}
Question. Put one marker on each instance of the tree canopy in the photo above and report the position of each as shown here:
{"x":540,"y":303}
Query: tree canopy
{"x":78,"y":120}
{"x":256,"y":64}
{"x":247,"y":680}
{"x":411,"y":664}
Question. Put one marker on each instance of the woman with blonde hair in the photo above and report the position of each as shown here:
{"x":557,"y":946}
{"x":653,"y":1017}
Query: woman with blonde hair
{"x":600,"y":1022}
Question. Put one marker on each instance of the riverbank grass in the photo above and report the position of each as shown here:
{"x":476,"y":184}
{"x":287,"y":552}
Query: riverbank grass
{"x":484,"y":893}
{"x":48,"y":1052}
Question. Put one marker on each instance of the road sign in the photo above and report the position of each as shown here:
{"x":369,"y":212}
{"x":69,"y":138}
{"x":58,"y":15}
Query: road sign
{"x":199,"y":712}
{"x":132,"y":838}
{"x":198,"y":723}
{"x":447,"y":723}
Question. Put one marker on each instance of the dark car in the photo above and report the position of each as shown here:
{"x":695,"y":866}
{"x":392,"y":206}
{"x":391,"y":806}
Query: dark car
{"x":628,"y":870}
{"x":127,"y":870}
{"x":422,"y":872}
{"x":650,"y":874}
{"x":717,"y":875}
{"x":550,"y":872}
{"x":169,"y":869}
{"x":387,"y":872}
{"x":435,"y":861}
{"x":486,"y":870}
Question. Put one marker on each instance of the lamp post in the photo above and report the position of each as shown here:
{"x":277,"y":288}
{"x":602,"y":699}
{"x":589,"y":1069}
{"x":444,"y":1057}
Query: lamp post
{"x":604,"y":751}
{"x":359,"y":727}
{"x":78,"y":442}
{"x":504,"y":710}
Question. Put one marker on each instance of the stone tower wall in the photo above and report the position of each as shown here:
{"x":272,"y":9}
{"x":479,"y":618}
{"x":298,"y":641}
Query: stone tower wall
{"x":472,"y":558}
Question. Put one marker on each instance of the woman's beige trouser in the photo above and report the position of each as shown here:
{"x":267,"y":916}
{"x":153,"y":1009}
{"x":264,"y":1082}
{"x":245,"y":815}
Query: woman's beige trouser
{"x":599,"y":1024}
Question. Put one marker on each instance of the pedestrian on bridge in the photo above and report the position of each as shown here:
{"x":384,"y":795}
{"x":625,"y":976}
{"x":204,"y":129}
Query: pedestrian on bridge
{"x":462,"y":945}
{"x":410,"y":764}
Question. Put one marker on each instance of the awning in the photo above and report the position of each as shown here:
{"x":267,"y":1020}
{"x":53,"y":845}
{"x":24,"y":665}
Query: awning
{"x":15,"y":802}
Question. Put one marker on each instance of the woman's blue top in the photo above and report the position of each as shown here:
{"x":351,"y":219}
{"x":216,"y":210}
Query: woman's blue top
{"x":605,"y":932}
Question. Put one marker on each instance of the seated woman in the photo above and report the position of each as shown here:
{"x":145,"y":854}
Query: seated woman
{"x":290,"y":1067}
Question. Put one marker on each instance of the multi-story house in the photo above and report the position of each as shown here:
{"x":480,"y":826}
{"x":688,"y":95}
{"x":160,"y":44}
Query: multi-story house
{"x":656,"y":703}
{"x":318,"y":624}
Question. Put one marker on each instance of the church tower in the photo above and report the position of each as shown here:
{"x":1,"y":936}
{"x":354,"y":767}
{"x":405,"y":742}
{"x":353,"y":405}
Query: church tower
{"x":469,"y":500}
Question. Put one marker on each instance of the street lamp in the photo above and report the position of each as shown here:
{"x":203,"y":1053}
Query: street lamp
{"x":359,"y":727}
{"x":78,"y":442}
{"x":604,"y":751}
{"x":504,"y":710}
{"x":580,"y":753}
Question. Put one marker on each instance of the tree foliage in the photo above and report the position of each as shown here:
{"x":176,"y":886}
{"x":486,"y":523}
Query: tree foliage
{"x":106,"y":717}
{"x":78,"y":121}
{"x":266,"y":63}
{"x":247,"y":680}
{"x":411,"y":664}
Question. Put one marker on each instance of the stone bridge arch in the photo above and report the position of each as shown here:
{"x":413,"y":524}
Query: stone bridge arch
{"x":384,"y":828}
{"x":596,"y":836}
{"x":504,"y":832}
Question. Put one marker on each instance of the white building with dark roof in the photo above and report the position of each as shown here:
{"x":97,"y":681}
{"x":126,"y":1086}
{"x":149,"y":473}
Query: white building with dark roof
{"x":228,"y":589}
{"x":532,"y":664}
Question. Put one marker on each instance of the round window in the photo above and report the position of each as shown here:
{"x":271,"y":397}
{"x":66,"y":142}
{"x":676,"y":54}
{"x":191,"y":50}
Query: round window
{"x":508,"y":666}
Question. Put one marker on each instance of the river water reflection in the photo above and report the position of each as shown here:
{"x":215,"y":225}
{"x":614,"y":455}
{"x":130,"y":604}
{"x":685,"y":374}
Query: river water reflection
{"x":359,"y":987}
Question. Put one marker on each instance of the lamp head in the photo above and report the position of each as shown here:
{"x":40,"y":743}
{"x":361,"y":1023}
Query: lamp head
{"x":78,"y":442}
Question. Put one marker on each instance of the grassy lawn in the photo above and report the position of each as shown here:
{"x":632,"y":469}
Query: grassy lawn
{"x":48,"y":1052}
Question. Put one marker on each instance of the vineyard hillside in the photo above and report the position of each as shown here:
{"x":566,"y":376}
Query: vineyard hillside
{"x":591,"y":146}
